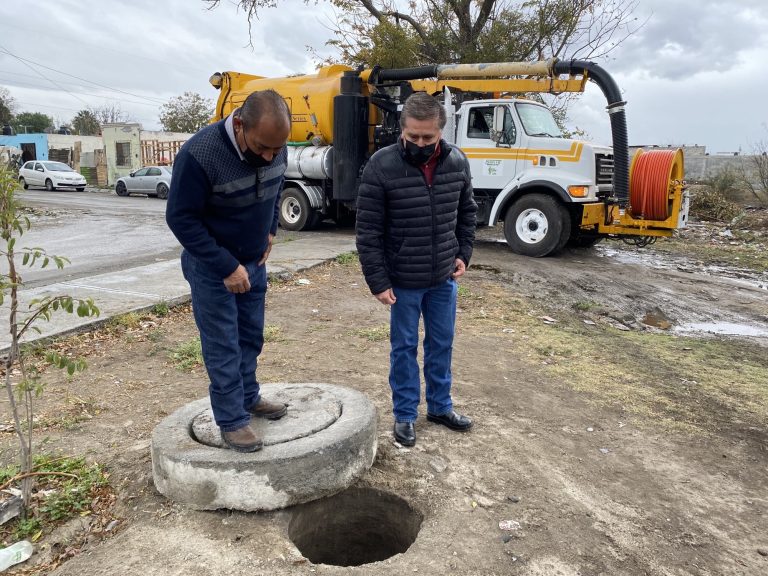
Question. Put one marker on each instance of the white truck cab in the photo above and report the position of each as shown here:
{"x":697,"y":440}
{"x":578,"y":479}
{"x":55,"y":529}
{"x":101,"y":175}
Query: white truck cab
{"x":526,"y":173}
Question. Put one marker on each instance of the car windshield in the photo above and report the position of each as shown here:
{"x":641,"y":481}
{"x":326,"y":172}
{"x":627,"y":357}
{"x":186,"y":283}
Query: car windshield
{"x":538,"y":121}
{"x":57,"y":167}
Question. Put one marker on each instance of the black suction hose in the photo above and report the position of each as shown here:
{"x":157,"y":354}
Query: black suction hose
{"x":400,"y":74}
{"x":618,"y":120}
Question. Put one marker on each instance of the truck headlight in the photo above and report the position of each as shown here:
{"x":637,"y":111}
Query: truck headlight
{"x":578,"y":191}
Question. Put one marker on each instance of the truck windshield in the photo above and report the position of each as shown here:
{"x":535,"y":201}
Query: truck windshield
{"x":537,"y":120}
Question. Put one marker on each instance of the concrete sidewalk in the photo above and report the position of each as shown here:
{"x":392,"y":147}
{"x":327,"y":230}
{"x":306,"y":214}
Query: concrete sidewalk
{"x":138,"y":288}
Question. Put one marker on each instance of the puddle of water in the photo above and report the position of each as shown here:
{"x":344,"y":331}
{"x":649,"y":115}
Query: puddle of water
{"x":657,"y":319}
{"x":645,"y":258}
{"x":650,"y":258}
{"x":725,"y":328}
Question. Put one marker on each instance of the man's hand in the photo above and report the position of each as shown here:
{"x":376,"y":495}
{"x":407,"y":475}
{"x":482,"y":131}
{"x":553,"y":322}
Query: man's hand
{"x":459,"y":268}
{"x":268,"y":250}
{"x":387,"y":297}
{"x":238,"y":282}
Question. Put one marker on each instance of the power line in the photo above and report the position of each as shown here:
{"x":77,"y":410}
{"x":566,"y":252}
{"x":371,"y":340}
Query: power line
{"x":27,"y":84}
{"x":49,"y":106}
{"x":25,"y":60}
{"x":42,"y":75}
{"x":80,"y":41}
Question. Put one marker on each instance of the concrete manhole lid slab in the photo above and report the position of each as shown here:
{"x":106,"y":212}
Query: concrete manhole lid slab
{"x":310,"y":409}
{"x":325,"y":442}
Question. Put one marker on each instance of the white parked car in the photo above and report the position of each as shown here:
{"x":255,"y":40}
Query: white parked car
{"x":150,"y":180}
{"x":51,"y":175}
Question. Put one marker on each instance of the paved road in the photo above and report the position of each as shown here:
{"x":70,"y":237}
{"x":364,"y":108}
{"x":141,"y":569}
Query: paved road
{"x":123,"y":255}
{"x":101,"y":232}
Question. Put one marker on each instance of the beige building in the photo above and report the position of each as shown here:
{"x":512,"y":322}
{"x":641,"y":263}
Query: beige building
{"x":122,"y":143}
{"x":129,"y":148}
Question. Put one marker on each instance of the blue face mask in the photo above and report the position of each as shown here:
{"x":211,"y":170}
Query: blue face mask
{"x":418,"y":154}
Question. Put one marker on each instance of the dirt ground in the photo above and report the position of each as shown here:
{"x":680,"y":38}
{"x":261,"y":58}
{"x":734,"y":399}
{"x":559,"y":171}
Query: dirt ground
{"x":610,"y":423}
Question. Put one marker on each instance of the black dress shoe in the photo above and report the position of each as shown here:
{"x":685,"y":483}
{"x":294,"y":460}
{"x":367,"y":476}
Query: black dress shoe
{"x":451,"y":420}
{"x":405,"y":433}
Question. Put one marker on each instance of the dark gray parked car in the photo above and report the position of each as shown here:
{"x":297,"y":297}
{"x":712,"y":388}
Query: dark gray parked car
{"x":150,"y":180}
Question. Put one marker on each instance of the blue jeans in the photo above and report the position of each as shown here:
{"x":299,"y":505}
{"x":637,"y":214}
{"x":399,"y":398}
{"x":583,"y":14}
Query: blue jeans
{"x":232,"y":334}
{"x":438,"y":307}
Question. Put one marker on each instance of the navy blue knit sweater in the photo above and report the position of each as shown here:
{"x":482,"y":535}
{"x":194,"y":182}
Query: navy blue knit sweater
{"x":221,"y":208}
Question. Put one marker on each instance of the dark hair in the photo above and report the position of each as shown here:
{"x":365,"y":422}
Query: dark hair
{"x":422,"y":106}
{"x":264,"y":103}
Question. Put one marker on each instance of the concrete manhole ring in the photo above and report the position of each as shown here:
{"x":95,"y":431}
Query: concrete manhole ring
{"x":328,"y":442}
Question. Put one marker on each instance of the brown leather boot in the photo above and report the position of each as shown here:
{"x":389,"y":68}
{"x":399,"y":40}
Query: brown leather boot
{"x":269,"y":410}
{"x":242,"y":440}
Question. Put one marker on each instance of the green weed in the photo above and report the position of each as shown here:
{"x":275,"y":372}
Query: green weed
{"x":348,"y":258}
{"x":161,"y":309}
{"x":188,"y":355}
{"x":375,"y":334}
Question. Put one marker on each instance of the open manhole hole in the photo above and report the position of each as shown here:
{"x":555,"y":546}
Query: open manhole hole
{"x":358,"y":526}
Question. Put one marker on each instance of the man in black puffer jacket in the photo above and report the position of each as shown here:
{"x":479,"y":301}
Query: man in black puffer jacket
{"x":415,"y":231}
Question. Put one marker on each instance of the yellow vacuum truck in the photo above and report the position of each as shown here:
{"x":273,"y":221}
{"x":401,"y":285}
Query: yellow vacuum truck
{"x":548,"y":190}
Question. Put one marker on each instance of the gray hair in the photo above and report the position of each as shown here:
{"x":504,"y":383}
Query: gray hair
{"x":422,"y":106}
{"x":261,"y":104}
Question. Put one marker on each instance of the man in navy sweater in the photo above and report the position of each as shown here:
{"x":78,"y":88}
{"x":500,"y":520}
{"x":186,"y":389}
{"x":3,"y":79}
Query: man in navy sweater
{"x":223,"y":209}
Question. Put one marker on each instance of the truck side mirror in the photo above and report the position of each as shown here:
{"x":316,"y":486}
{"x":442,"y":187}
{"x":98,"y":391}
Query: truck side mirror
{"x":497,"y":131}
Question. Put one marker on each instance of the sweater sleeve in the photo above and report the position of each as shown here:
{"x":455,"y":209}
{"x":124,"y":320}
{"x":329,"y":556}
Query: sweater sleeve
{"x":184,"y":214}
{"x":276,"y":218}
{"x":466,"y":220}
{"x":370,"y":227}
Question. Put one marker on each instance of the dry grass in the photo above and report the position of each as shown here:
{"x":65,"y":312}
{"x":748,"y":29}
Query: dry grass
{"x":675,"y":383}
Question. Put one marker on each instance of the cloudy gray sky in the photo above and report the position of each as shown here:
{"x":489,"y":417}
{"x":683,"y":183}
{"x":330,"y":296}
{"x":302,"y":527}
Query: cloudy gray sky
{"x":694,"y":73}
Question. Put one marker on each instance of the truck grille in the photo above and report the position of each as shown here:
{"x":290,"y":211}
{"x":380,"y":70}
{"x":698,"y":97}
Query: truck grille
{"x":604,"y":169}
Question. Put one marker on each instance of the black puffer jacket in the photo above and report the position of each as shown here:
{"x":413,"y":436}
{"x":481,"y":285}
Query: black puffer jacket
{"x":410,"y":234}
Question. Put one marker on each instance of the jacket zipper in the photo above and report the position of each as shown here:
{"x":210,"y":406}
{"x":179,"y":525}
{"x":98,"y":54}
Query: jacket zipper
{"x":432,"y":209}
{"x":434,"y":240}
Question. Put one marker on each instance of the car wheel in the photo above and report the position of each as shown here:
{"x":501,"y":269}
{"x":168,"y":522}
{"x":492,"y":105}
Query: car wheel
{"x":162,"y":191}
{"x":23,"y":183}
{"x":121,"y":190}
{"x":295,"y":211}
{"x":49,"y":185}
{"x":535,"y":224}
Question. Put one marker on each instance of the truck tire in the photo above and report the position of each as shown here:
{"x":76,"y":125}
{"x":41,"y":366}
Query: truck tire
{"x":295,"y":211}
{"x":536,"y":225}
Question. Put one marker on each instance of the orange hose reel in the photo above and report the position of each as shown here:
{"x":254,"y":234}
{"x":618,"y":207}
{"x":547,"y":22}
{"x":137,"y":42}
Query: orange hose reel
{"x":652,"y":175}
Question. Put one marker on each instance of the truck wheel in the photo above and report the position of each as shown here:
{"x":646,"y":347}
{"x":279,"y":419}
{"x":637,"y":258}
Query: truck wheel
{"x":536,"y":225}
{"x":295,"y":212}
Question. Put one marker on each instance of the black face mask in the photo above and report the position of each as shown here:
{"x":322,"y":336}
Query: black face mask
{"x":254,"y":159}
{"x":418,"y":154}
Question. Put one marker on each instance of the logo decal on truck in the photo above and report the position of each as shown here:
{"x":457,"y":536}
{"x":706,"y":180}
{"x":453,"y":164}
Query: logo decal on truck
{"x":571,"y":155}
